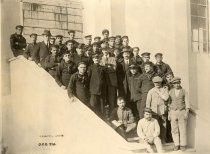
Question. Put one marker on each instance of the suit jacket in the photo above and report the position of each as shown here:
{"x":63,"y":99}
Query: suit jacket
{"x":97,"y":75}
{"x":40,"y":52}
{"x":17,"y":43}
{"x":123,"y":74}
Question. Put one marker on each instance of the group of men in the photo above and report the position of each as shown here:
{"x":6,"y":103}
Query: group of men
{"x":108,"y":71}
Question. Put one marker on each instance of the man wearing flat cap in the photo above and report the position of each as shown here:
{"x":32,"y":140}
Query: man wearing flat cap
{"x":72,"y":38}
{"x":29,"y":49}
{"x":160,"y":67}
{"x":88,"y":40}
{"x":18,"y":42}
{"x":134,"y":87}
{"x":59,"y":43}
{"x":178,"y":114}
{"x":148,"y":130}
{"x":111,"y":44}
{"x":97,"y":81}
{"x":146,"y":58}
{"x":42,"y":49}
{"x":97,"y":39}
{"x":157,"y":100}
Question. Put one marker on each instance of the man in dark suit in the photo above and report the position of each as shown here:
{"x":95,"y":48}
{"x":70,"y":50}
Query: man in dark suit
{"x":96,"y":74}
{"x":17,"y":41}
{"x":111,"y":46}
{"x":29,"y":49}
{"x":72,"y":38}
{"x":41,"y":50}
{"x":123,"y":73}
{"x":160,"y":67}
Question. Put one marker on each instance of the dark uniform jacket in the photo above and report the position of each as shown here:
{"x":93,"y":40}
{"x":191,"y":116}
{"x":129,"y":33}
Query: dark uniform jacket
{"x":111,"y":51}
{"x":79,"y":87}
{"x":40,"y":52}
{"x":75,"y":44}
{"x":162,"y":68}
{"x":80,"y":58}
{"x":142,"y":67}
{"x":64,"y":72}
{"x":135,"y":88}
{"x":17,"y":44}
{"x":123,"y":74}
{"x":29,"y":50}
{"x":146,"y":81}
{"x":51,"y":62}
{"x":86,"y":47}
{"x":96,"y":74}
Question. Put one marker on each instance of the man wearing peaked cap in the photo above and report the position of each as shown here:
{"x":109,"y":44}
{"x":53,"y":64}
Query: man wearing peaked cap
{"x":156,"y":100}
{"x":176,"y":80}
{"x":59,"y":43}
{"x":88,"y":40}
{"x":111,"y":46}
{"x":135,"y":93}
{"x":178,"y":114}
{"x":146,"y":58}
{"x":17,"y":41}
{"x":97,"y":39}
{"x":118,"y":42}
{"x":160,"y":67}
{"x":29,"y":49}
{"x":72,"y":38}
{"x":125,"y":43}
{"x":136,"y":58}
{"x":95,"y":47}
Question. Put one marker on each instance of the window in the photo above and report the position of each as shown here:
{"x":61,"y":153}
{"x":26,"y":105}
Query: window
{"x":200,"y":26}
{"x":58,"y":18}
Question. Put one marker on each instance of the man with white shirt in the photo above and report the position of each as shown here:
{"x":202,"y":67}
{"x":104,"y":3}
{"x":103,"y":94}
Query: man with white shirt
{"x":42,"y":49}
{"x":148,"y":130}
{"x":156,"y":100}
{"x":178,"y":114}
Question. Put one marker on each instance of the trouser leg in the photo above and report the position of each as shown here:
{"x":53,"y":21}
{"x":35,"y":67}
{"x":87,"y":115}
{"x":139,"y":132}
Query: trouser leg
{"x":158,"y":144}
{"x":142,"y":105}
{"x":174,"y":127}
{"x":182,"y":128}
{"x":149,"y":147}
{"x":112,"y":96}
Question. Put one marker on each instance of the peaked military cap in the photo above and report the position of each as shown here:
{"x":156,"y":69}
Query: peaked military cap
{"x":97,"y":37}
{"x":19,"y":26}
{"x":158,"y":54}
{"x":59,"y":36}
{"x":71,"y":31}
{"x":175,"y":80}
{"x":33,"y":34}
{"x":88,"y":36}
{"x":145,"y":54}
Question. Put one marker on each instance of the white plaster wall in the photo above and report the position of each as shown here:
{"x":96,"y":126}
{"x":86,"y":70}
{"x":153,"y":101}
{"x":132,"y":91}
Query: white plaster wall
{"x":96,"y":16}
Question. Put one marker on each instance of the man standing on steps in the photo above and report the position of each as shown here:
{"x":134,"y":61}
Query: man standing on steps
{"x":79,"y":84}
{"x":17,"y":41}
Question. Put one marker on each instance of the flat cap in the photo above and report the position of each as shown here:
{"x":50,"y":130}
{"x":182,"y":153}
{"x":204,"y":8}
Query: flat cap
{"x":95,"y":44}
{"x":111,"y":38}
{"x":19,"y":26}
{"x":133,"y":66}
{"x":175,"y":80}
{"x":97,"y":37}
{"x":69,"y":41}
{"x":148,"y":110}
{"x":95,"y":55}
{"x":145,"y":54}
{"x":80,"y":46}
{"x":71,"y":31}
{"x":33,"y":34}
{"x":118,"y":36}
{"x":46,"y":32}
{"x":158,"y":54}
{"x":125,"y":37}
{"x":105,"y":31}
{"x":148,"y":63}
{"x":169,"y":73}
{"x":157,"y":79}
{"x":59,"y":36}
{"x":88,"y":36}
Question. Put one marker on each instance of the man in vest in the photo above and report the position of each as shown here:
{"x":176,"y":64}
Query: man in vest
{"x":178,"y":114}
